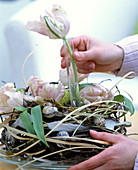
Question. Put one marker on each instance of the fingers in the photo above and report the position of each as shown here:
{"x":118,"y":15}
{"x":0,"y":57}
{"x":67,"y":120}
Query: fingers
{"x":62,"y":52}
{"x":82,"y":55}
{"x":99,"y":161}
{"x":84,"y":71}
{"x":85,"y":67}
{"x":63,"y":63}
{"x":79,"y":50}
{"x":65,"y":57}
{"x":111,"y":138}
{"x":92,"y":163}
{"x":82,"y":67}
{"x":85,"y":61}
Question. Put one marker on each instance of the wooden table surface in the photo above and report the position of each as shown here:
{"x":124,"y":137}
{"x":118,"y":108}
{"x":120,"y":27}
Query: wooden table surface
{"x":134,"y":129}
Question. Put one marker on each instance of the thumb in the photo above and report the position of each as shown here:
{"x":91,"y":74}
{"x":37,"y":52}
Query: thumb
{"x":108,"y":137}
{"x":83,"y":55}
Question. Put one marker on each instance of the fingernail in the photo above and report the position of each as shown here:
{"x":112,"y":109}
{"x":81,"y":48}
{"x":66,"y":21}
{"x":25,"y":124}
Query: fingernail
{"x":93,"y":131}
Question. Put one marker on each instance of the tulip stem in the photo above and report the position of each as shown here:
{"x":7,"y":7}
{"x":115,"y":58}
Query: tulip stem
{"x":75,"y":91}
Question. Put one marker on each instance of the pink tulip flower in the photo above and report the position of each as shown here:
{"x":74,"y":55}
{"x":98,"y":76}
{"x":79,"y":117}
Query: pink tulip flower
{"x":9,"y":98}
{"x":54,"y":23}
{"x":46,"y":90}
{"x":96,"y":92}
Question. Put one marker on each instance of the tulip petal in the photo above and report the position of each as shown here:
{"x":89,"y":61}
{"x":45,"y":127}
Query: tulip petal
{"x":52,"y":26}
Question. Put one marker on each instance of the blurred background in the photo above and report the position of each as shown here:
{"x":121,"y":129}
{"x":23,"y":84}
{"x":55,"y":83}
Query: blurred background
{"x":106,"y":20}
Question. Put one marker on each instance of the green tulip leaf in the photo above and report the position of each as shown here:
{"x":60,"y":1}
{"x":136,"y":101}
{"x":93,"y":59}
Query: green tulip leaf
{"x":65,"y":99}
{"x":18,"y":108}
{"x":81,"y":86}
{"x":27,"y":122}
{"x":127,"y":102}
{"x":38,"y":123}
{"x":119,"y":98}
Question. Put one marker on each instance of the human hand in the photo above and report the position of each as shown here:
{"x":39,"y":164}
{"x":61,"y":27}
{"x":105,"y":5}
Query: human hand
{"x":91,"y":55}
{"x":121,"y":155}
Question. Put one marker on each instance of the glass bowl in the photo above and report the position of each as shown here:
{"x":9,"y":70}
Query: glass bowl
{"x":41,"y":164}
